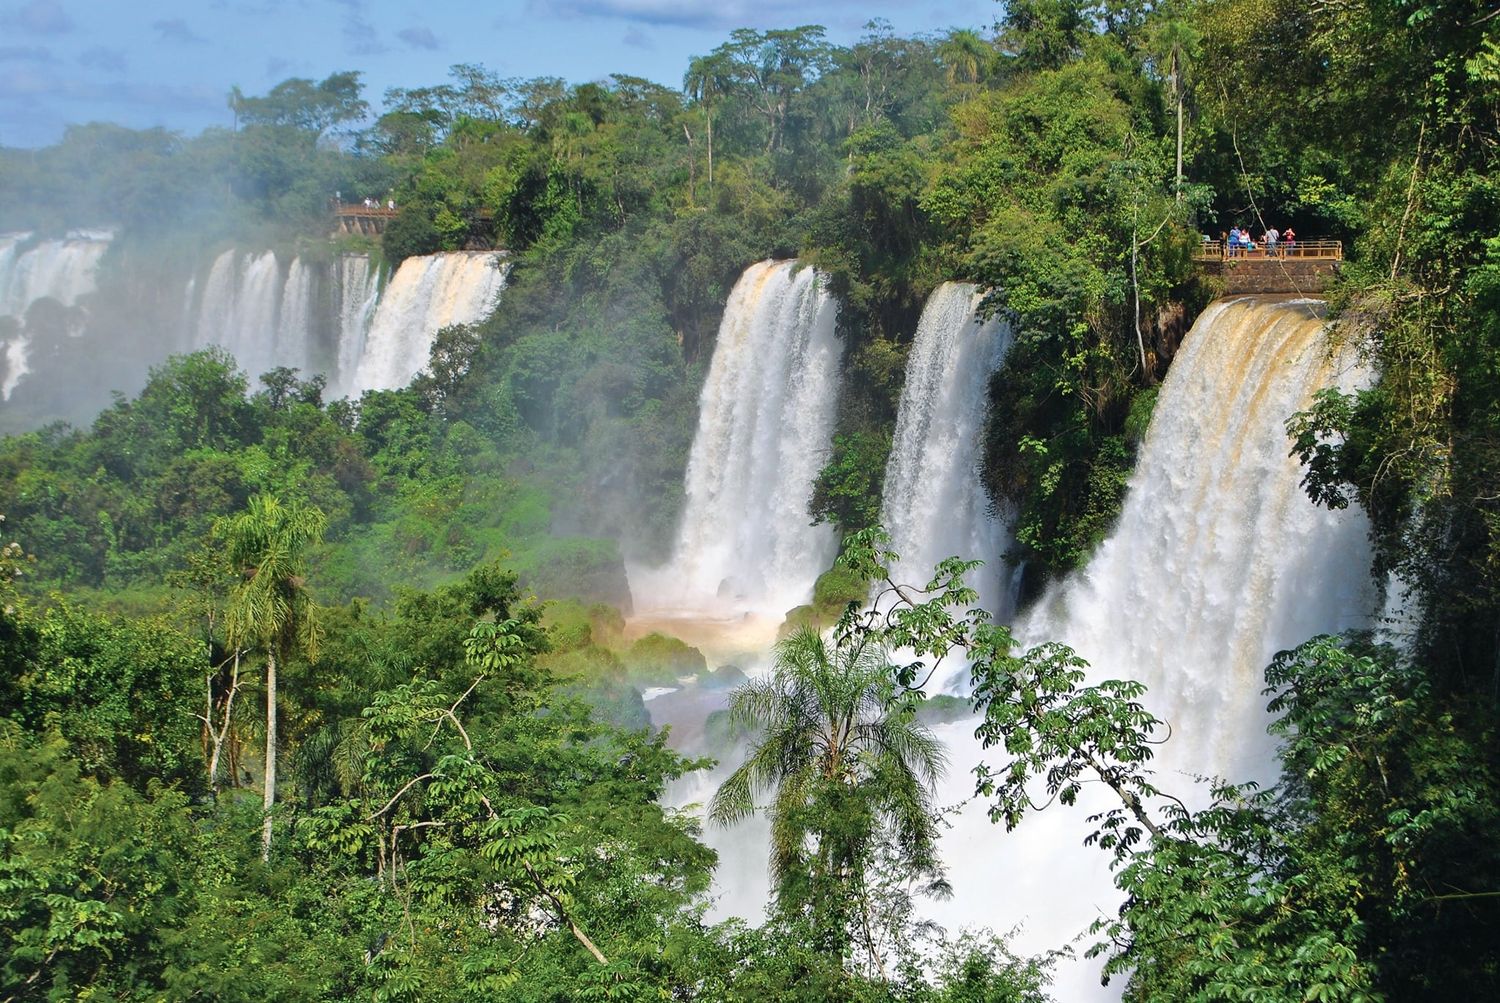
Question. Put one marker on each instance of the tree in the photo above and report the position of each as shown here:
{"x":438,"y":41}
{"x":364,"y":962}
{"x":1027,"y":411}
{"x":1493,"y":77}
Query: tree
{"x":966,"y":57}
{"x":302,"y":104}
{"x":850,"y":770}
{"x":705,"y":82}
{"x":267,"y":544}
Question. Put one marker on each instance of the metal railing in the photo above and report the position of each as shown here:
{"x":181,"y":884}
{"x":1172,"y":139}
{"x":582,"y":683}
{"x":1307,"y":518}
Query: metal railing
{"x":1324,"y":250}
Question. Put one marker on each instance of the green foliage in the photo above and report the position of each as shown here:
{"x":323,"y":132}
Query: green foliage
{"x":848,"y":774}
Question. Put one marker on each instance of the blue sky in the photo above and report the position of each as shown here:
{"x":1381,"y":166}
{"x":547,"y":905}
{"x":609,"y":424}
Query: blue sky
{"x":171,"y":62}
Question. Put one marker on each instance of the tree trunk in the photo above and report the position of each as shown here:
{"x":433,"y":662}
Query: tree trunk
{"x":710,"y":118}
{"x":270,"y":795}
{"x":1179,"y":146}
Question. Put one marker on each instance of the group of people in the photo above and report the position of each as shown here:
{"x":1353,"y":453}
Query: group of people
{"x":369,"y":203}
{"x":1238,"y":243}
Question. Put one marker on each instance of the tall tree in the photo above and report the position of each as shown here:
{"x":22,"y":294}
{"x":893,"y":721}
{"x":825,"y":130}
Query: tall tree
{"x":267,"y":545}
{"x":850,"y":771}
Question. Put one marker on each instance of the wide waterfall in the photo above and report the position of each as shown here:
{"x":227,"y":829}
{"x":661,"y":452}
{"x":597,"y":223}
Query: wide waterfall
{"x":425,"y":295}
{"x":337,"y":320}
{"x":60,"y":270}
{"x":1219,"y":560}
{"x":745,"y":551}
{"x":935,"y":505}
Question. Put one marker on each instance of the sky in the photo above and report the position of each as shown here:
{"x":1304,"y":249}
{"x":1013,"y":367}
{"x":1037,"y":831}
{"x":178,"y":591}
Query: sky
{"x":171,"y":63}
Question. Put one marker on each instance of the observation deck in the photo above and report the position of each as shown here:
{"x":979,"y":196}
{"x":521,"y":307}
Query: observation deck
{"x":1303,"y":267}
{"x":369,"y":220}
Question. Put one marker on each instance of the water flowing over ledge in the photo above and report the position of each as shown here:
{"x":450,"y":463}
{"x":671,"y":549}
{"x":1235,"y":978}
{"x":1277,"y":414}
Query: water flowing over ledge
{"x":745,"y":552}
{"x":1218,"y":561}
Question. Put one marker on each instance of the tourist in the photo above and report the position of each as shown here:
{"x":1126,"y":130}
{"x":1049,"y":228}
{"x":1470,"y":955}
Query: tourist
{"x":1270,"y":237}
{"x":1234,"y":241}
{"x":1289,"y":240}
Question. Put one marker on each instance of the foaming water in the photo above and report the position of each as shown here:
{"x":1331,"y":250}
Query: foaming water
{"x":1218,"y":561}
{"x":426,"y":294}
{"x":935,"y":505}
{"x":239,"y":309}
{"x":358,"y":293}
{"x":745,"y":552}
{"x":61,"y":270}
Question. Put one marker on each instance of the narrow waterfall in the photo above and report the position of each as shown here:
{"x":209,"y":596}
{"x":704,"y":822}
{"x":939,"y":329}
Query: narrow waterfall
{"x":425,"y":295}
{"x":745,"y":549}
{"x":61,"y":270}
{"x":935,"y":505}
{"x":295,"y":317}
{"x":1218,"y":561}
{"x":239,"y":310}
{"x":358,"y":291}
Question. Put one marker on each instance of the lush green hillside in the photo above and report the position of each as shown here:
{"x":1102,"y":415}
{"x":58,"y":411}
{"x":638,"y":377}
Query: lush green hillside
{"x":468,"y":796}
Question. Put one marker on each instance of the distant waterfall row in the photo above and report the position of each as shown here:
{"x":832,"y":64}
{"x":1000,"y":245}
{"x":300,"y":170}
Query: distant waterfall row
{"x":61,"y":272}
{"x":336,"y":318}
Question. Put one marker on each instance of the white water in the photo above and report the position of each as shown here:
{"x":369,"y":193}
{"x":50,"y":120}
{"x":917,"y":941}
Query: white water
{"x":425,"y":295}
{"x":1218,"y":561}
{"x":358,"y":292}
{"x":745,"y":549}
{"x":62,"y":270}
{"x":935,"y":505}
{"x":239,"y":310}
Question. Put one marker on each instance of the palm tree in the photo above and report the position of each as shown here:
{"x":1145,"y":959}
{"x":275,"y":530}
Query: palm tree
{"x":848,"y":770}
{"x":965,"y":56}
{"x":705,"y":81}
{"x":270,"y":607}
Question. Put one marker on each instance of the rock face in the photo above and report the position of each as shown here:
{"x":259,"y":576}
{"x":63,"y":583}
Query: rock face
{"x":1300,"y":277}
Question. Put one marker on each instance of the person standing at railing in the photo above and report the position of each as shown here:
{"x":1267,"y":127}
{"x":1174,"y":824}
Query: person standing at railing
{"x":1289,"y":240}
{"x":1235,"y":236}
{"x":1270,"y":237}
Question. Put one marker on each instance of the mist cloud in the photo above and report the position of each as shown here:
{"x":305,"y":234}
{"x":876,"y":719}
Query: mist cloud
{"x":680,"y":13}
{"x":419,"y":38}
{"x":177,"y":30}
{"x":40,"y":17}
{"x":25,"y":54}
{"x":100,"y":58}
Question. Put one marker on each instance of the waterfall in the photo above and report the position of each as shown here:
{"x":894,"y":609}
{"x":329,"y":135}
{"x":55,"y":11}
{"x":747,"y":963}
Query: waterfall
{"x":358,"y":291}
{"x":239,"y":310}
{"x":294,"y":320}
{"x":935,"y":505}
{"x":425,"y":295}
{"x":745,"y":548}
{"x":1218,"y":561}
{"x":61,"y":270}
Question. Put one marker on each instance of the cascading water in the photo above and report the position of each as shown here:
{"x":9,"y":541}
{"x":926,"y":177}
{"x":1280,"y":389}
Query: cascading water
{"x":62,"y":270}
{"x":425,"y":295}
{"x":1218,"y":561}
{"x":358,"y":292}
{"x":745,"y":550}
{"x":935,"y":505}
{"x":239,"y":310}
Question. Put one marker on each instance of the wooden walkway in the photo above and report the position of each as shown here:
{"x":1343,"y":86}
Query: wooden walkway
{"x":369,"y":220}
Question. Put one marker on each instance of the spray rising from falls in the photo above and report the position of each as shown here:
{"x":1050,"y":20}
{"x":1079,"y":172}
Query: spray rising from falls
{"x":745,"y":546}
{"x":426,"y":294}
{"x":60,"y":270}
{"x":935,"y":505}
{"x":1218,"y":561}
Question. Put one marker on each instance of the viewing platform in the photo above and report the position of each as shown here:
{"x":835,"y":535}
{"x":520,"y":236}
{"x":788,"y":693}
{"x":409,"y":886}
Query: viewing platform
{"x":1304,"y":267}
{"x":369,"y":220}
